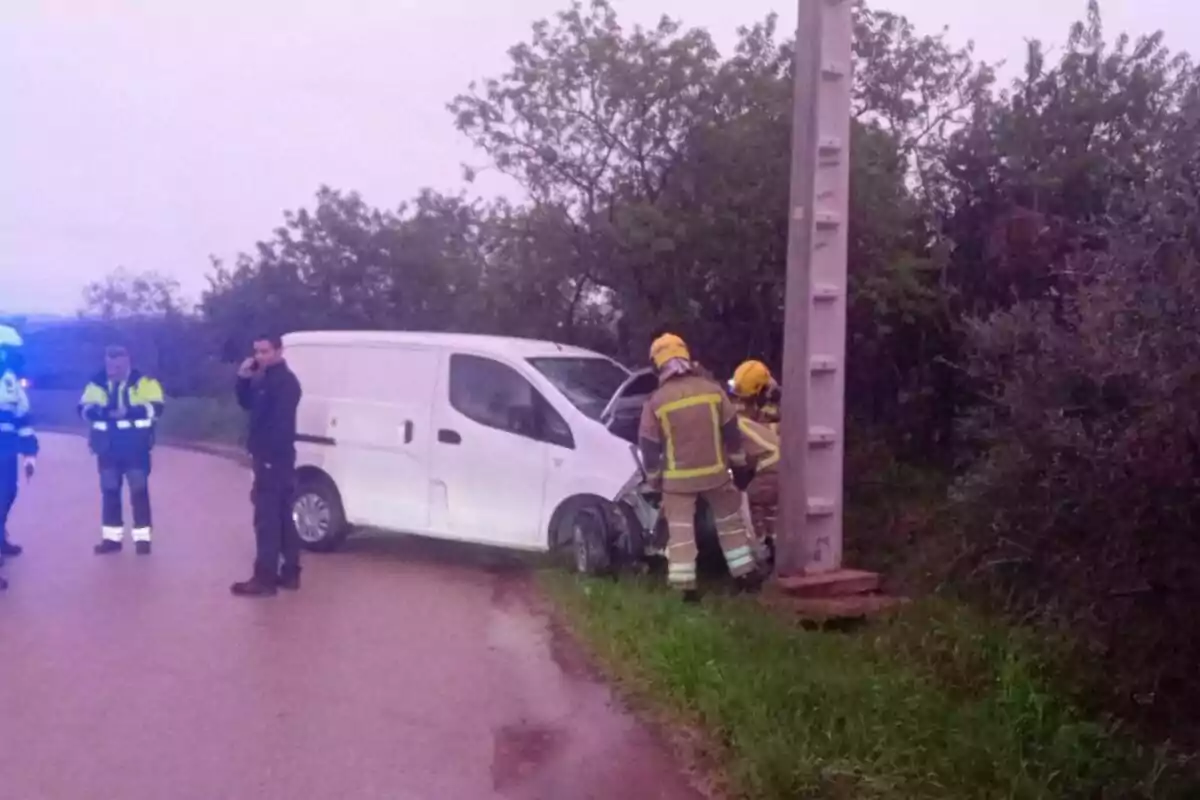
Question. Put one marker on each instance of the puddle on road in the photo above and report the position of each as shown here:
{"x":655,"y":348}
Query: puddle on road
{"x":564,"y":736}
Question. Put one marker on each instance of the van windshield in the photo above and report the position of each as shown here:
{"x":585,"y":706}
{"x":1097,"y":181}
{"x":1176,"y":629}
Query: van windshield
{"x":589,"y":383}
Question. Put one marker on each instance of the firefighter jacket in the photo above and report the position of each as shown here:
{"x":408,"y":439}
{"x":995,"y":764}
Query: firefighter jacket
{"x":689,"y":432}
{"x":761,"y":443}
{"x":16,"y":430}
{"x":763,"y":451}
{"x":122,"y":414}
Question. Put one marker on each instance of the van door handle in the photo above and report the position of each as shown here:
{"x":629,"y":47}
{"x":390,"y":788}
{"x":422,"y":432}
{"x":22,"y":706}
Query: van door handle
{"x":408,"y":431}
{"x":449,"y":437}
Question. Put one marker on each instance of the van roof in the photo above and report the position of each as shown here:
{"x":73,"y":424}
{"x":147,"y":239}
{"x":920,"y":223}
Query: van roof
{"x":507,"y":345}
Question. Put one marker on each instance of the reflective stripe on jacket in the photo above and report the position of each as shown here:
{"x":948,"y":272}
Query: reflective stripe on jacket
{"x":16,"y":423}
{"x":132,"y":433}
{"x":692,"y":424}
{"x":762,"y":444}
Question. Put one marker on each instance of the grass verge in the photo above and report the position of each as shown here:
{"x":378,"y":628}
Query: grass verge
{"x":934,"y":703}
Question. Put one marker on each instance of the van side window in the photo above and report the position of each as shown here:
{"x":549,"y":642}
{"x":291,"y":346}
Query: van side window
{"x":496,"y":395}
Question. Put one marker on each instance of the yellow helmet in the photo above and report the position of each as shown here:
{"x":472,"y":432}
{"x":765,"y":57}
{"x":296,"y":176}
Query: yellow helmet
{"x":666,"y":347}
{"x":751,"y":378}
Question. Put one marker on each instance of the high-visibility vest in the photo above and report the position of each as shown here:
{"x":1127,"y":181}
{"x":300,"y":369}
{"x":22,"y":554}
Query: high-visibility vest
{"x":16,"y":428}
{"x":139,"y":396}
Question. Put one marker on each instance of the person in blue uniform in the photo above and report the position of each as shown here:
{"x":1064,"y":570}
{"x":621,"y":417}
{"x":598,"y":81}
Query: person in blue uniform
{"x":18,"y":442}
{"x":122,"y":406}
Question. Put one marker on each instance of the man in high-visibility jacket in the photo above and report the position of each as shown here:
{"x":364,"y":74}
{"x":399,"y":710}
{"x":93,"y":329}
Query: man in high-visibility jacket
{"x":756,"y":393}
{"x":690,"y":443}
{"x":18,"y":442}
{"x":122,"y":406}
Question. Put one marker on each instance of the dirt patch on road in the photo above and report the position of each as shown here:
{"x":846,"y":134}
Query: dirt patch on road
{"x":519,"y":751}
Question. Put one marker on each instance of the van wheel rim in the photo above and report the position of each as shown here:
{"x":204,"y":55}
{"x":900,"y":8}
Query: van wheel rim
{"x":582,"y":562}
{"x":312,"y":516}
{"x":583,"y":533}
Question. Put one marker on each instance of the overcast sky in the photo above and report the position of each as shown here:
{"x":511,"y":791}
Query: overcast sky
{"x":151,"y":134}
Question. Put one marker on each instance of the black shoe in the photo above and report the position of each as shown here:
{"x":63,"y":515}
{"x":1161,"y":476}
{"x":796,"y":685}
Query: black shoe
{"x":691,"y":596}
{"x":253,"y":588}
{"x":291,"y":582}
{"x":142,"y":548}
{"x":106,"y":546}
{"x":10,"y":550}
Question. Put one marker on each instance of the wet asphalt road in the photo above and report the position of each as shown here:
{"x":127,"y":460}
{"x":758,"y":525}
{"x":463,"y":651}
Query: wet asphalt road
{"x":401,"y":671}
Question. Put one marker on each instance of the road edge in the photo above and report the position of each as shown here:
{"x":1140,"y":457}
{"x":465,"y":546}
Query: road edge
{"x":229,"y":452}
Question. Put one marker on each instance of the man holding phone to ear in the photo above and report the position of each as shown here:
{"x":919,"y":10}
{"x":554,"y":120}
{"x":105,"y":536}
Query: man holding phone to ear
{"x":271,"y":393}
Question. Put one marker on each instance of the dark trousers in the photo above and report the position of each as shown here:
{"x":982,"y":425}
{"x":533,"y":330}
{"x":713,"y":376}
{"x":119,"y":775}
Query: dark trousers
{"x":10,"y":481}
{"x":116,"y":470}
{"x":276,"y":541}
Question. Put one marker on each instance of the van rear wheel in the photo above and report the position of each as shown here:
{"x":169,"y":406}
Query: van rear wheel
{"x":317,"y":512}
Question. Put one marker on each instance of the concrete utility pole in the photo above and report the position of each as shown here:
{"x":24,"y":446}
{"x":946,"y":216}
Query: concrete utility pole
{"x":809,"y":542}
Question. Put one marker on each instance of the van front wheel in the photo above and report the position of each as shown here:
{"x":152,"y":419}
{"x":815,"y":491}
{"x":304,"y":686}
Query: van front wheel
{"x":589,"y":541}
{"x":317,"y":512}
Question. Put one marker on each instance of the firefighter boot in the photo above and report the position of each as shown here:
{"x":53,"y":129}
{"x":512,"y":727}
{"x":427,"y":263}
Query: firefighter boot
{"x":750,"y":583}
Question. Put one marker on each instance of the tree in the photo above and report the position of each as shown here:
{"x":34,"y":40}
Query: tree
{"x":123,"y":294}
{"x":344,"y":264}
{"x":667,"y":167}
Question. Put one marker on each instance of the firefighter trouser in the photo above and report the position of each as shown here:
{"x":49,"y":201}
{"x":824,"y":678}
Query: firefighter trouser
{"x":763,"y":494}
{"x":10,"y":481}
{"x":277,"y":545}
{"x":680,"y":511}
{"x":116,"y":470}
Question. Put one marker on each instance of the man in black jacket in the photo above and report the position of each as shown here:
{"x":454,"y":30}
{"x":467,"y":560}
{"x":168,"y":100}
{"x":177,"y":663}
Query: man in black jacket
{"x":270,"y":392}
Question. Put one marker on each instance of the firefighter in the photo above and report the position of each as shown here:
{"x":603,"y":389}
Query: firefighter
{"x":18,"y":442}
{"x":763,"y":452}
{"x":122,"y":406}
{"x":690,"y":442}
{"x":756,"y":393}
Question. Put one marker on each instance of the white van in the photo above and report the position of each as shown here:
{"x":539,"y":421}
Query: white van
{"x":483,"y":439}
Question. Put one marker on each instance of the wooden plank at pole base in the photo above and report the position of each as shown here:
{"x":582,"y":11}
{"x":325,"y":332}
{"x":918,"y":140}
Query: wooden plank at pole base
{"x":838,"y":583}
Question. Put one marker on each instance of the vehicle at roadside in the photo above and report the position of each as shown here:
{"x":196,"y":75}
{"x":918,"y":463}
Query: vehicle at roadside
{"x":501,"y":441}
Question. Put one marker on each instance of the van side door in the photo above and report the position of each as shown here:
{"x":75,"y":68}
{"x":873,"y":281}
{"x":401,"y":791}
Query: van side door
{"x":493,"y":437}
{"x":381,"y":428}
